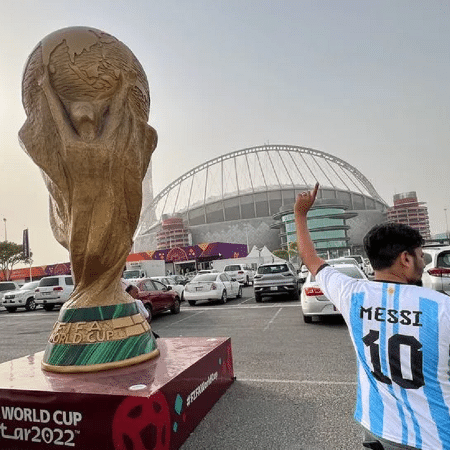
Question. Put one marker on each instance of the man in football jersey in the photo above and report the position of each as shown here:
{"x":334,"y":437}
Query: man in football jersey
{"x":401,"y":335}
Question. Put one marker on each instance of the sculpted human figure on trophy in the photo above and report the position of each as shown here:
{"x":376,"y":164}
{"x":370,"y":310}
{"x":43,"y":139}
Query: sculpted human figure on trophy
{"x":87,"y":102}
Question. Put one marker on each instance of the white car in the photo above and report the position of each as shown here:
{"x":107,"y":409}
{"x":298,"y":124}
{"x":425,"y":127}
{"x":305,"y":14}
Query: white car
{"x":6,"y":286}
{"x":359,"y":260}
{"x":343,"y":260}
{"x":242,"y":272}
{"x":169,"y":280}
{"x":212,"y":287}
{"x":21,"y":298}
{"x":437,"y":268}
{"x":53,"y":291}
{"x":314,"y":302}
{"x":303,"y":273}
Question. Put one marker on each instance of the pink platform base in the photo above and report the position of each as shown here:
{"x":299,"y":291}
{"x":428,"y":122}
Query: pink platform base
{"x":151,"y":406}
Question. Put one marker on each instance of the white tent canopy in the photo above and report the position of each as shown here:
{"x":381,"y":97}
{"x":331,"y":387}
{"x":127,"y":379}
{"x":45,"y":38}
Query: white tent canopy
{"x":264,"y":254}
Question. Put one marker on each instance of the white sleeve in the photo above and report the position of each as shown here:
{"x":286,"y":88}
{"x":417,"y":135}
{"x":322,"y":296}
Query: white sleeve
{"x":337,"y":287}
{"x":141,"y":308}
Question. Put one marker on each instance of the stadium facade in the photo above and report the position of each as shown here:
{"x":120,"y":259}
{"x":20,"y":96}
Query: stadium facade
{"x":247,"y":196}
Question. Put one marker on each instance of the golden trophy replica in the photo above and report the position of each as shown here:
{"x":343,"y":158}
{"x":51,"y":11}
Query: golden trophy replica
{"x":87,"y":103}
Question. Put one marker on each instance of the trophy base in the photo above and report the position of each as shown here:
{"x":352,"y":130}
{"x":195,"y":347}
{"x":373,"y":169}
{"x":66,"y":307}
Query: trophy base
{"x":153,"y":405}
{"x":99,"y":338}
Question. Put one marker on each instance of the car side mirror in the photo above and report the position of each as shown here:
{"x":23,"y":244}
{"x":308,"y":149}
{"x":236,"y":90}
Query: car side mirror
{"x":169,"y":288}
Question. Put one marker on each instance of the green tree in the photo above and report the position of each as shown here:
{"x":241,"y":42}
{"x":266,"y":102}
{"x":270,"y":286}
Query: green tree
{"x":10,"y":255}
{"x":293,"y":251}
{"x":281,"y":253}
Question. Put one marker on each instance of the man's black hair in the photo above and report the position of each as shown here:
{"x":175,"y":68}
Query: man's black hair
{"x":384,"y":243}
{"x":129,"y":287}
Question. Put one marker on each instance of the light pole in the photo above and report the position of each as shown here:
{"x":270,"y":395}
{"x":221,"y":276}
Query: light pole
{"x":6,"y":237}
{"x":446,"y":225}
{"x":246,"y":234}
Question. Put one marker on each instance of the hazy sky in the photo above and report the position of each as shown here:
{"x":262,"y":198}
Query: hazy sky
{"x":367,"y":81}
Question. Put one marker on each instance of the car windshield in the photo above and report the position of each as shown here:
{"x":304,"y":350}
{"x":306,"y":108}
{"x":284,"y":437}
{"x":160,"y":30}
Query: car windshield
{"x":7,"y":287}
{"x":49,"y":282}
{"x":129,"y":274}
{"x":347,"y":270}
{"x":30,"y":285}
{"x":443,"y":260}
{"x":358,"y":258}
{"x":231,"y":268}
{"x":333,"y":262}
{"x":206,"y":277}
{"x":275,"y":268}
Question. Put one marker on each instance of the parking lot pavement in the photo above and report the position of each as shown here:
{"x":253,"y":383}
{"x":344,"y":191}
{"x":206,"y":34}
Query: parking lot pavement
{"x":295,"y":382}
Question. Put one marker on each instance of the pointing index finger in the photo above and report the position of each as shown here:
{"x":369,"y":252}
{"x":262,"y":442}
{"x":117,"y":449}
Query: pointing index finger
{"x":314,"y":192}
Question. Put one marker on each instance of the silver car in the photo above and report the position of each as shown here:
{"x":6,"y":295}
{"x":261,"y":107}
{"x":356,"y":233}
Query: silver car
{"x":277,"y":278}
{"x":437,"y":268}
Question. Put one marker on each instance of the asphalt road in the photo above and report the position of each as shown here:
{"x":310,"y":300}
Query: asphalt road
{"x":295,"y":383}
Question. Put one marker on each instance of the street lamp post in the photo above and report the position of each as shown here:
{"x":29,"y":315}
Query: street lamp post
{"x":446,"y":226}
{"x":246,"y":234}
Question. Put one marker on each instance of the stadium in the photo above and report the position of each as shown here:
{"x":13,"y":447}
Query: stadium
{"x":247,"y":197}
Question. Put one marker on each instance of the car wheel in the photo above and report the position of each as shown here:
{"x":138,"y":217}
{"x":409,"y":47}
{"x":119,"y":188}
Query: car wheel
{"x":176,"y":306}
{"x":258,"y":298}
{"x":11,"y":309}
{"x":224,"y":297}
{"x":307,"y":319}
{"x":148,"y":307}
{"x":239,"y":294}
{"x":30,"y":305}
{"x":192,"y":302}
{"x":49,"y":307}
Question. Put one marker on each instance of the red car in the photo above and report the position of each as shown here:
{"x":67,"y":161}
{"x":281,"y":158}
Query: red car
{"x":157,"y":297}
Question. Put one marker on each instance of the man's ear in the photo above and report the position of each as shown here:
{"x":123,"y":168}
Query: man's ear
{"x":406,"y":259}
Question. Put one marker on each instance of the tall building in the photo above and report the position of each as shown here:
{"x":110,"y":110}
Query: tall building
{"x":173,"y":233}
{"x":327,"y":223}
{"x":409,"y":211}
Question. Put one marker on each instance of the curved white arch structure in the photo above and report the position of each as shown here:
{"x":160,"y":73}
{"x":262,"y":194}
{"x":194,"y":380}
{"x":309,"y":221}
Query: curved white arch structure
{"x":257,"y":170}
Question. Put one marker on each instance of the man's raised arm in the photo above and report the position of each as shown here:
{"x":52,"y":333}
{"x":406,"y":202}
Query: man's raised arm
{"x":308,"y":253}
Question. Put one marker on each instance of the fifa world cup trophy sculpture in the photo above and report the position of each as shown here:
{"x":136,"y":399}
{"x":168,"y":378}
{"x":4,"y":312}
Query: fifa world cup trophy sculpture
{"x":87,"y":103}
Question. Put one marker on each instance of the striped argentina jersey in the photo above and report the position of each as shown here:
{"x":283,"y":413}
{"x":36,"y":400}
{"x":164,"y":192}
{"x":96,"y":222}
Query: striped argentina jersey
{"x":401,"y":335}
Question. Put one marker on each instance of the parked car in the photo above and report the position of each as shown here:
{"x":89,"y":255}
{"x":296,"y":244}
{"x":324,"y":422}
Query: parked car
{"x":53,"y":291}
{"x":303,"y":273}
{"x":369,"y":269}
{"x":211,"y":287}
{"x":436,"y":274}
{"x":21,"y":298}
{"x":242,"y":272}
{"x":6,"y":286}
{"x":277,"y":278}
{"x":169,"y":280}
{"x":336,"y":261}
{"x":360,"y":261}
{"x":180,"y":279}
{"x":314,"y":302}
{"x":157,"y":297}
